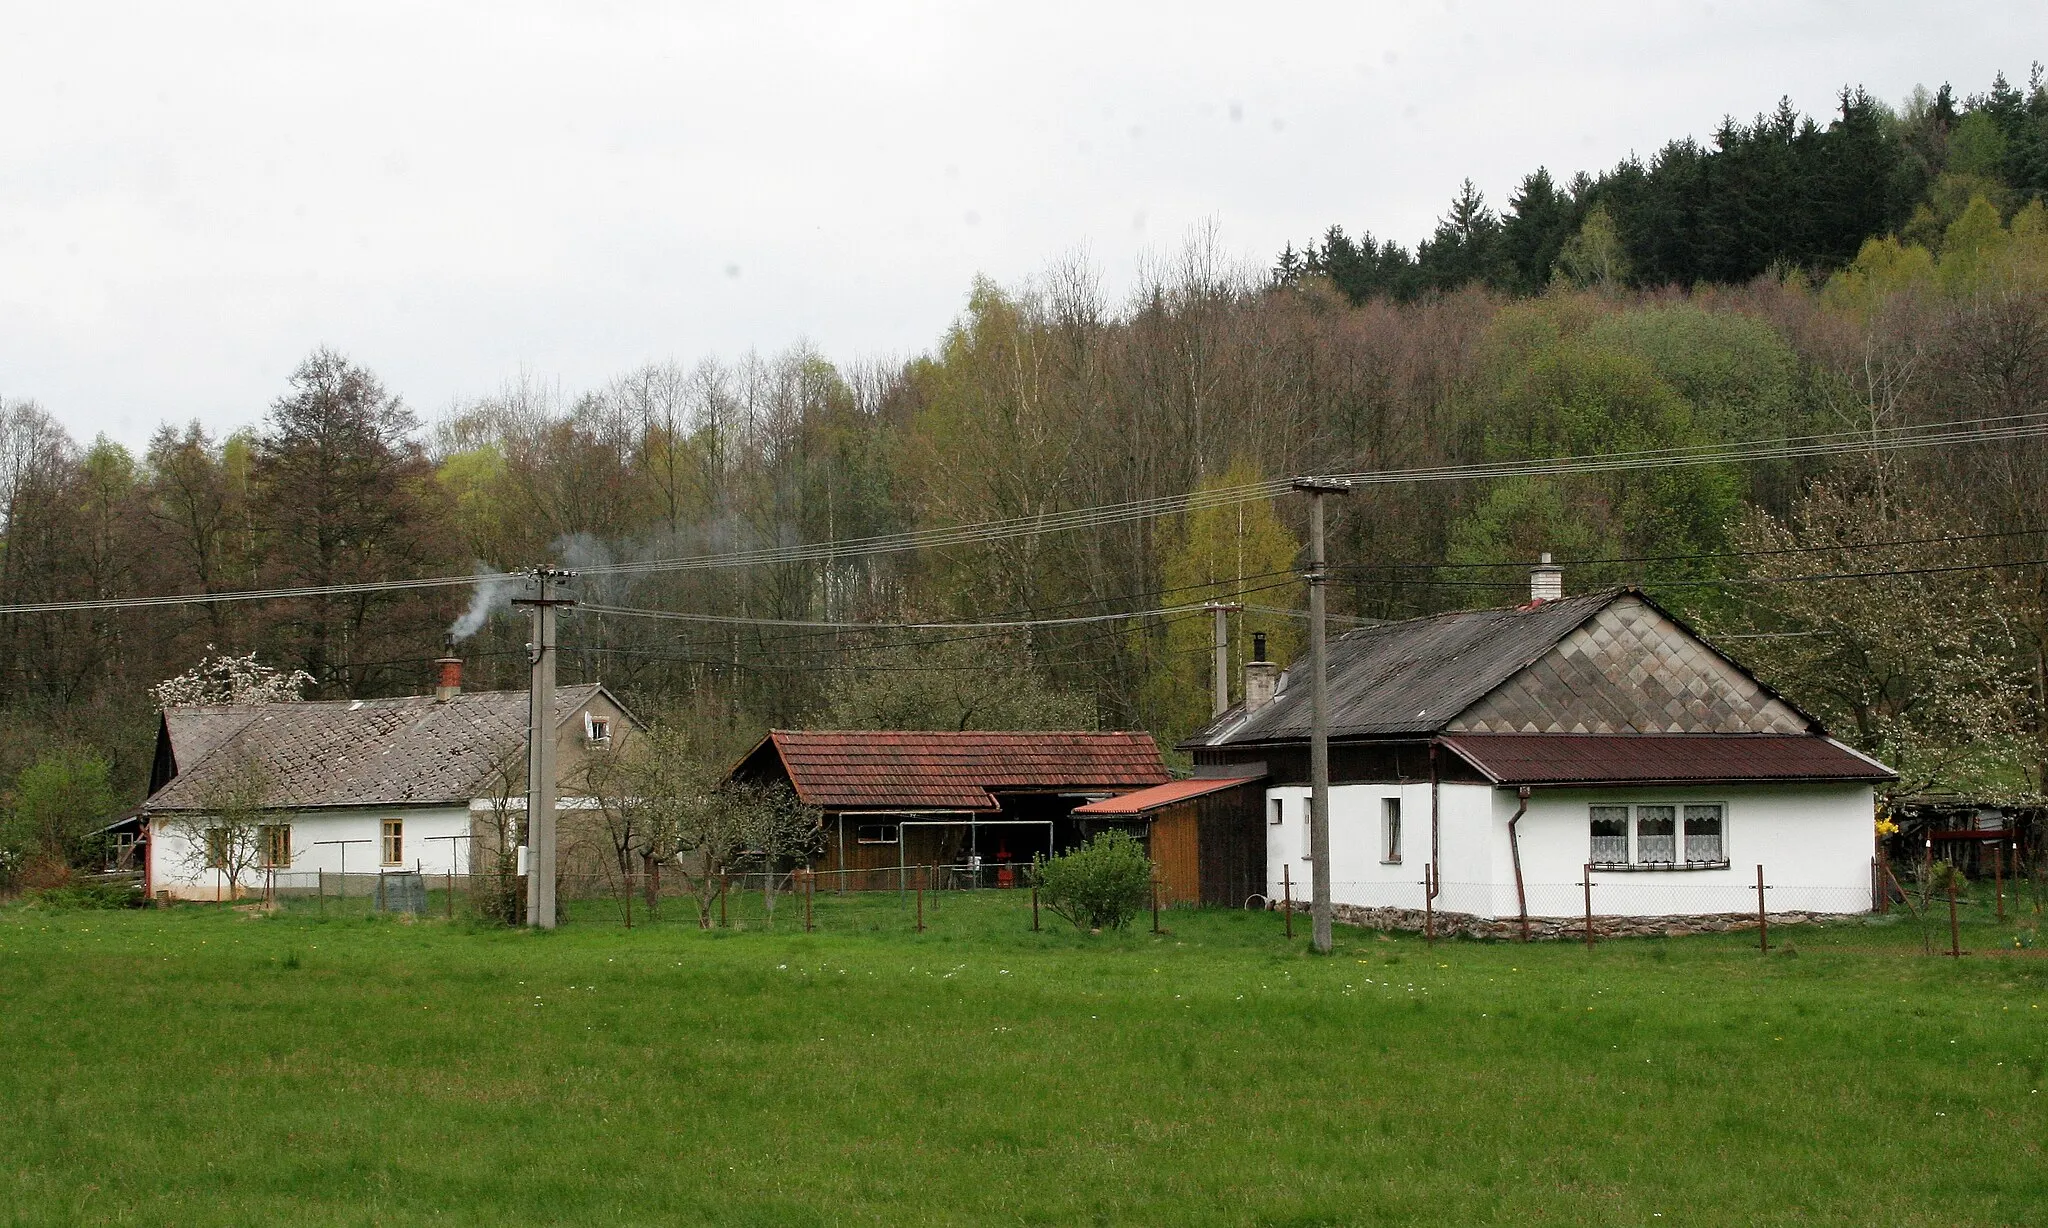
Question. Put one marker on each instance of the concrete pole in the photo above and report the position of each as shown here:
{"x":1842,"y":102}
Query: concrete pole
{"x":1319,"y":714}
{"x":1220,"y":701}
{"x":540,"y":750}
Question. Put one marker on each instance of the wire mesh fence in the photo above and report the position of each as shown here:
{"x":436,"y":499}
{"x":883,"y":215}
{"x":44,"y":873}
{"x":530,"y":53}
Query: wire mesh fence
{"x":915,"y":898}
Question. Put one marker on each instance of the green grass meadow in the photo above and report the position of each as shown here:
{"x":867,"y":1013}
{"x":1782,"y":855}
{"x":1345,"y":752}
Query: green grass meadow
{"x":205,"y":1065}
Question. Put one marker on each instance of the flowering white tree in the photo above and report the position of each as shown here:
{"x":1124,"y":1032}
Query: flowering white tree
{"x":1916,"y":658}
{"x":225,"y":679}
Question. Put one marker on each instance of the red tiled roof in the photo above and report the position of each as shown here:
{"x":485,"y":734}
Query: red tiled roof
{"x":1650,"y":758}
{"x":959,"y":771}
{"x":1164,"y":795}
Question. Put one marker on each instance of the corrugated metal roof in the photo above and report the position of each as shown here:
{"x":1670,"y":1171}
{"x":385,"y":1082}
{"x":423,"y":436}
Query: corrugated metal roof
{"x":1164,"y":795}
{"x":1661,"y":758}
{"x":413,"y":750}
{"x":1411,"y":677}
{"x":876,"y":769}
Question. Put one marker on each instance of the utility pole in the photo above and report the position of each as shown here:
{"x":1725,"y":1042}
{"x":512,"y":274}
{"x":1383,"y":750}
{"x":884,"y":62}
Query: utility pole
{"x":1221,"y":701}
{"x":540,"y":747}
{"x":1318,"y":711}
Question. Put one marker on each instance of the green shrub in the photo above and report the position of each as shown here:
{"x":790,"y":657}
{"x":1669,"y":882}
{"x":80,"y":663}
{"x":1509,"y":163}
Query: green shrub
{"x":1101,"y":885}
{"x":89,"y":895}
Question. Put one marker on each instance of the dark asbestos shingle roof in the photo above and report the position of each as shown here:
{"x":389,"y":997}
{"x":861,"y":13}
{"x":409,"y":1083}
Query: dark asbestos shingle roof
{"x":1411,"y":677}
{"x":1654,"y":758}
{"x":406,"y":751}
{"x":958,"y":771}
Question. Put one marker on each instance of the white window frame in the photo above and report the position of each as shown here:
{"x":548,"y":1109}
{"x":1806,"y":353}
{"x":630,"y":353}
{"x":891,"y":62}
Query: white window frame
{"x":1390,"y":831}
{"x":1678,"y":863}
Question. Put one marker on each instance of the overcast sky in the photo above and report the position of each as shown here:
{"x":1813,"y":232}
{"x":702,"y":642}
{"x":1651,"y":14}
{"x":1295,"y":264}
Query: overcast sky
{"x":196,"y":195}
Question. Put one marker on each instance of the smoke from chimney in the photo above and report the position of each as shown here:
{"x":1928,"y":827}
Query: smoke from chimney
{"x":492,"y":593}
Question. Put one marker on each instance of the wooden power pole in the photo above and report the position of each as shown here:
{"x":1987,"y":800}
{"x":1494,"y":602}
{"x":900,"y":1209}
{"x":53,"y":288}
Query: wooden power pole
{"x":1319,"y":712}
{"x":540,"y":747}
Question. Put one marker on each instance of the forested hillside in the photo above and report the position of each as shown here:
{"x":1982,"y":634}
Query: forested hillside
{"x":1885,"y":270}
{"x":1783,"y":192}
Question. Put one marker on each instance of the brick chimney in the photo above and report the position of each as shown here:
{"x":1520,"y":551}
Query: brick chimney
{"x":1546,"y":581}
{"x":1261,"y":677}
{"x":450,"y":683}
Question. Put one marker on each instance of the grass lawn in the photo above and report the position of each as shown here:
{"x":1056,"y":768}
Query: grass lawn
{"x":205,"y":1065}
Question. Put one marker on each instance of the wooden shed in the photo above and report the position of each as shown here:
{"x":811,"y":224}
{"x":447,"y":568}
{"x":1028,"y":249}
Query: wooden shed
{"x":976,"y":804}
{"x":1206,"y":835}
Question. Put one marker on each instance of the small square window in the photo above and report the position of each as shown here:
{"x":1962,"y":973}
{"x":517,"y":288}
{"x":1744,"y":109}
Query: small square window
{"x":1279,"y":812}
{"x":274,"y":841}
{"x":877,"y":833}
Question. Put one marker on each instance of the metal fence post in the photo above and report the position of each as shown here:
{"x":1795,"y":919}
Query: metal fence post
{"x":1429,"y":905}
{"x":1587,"y":878}
{"x":1998,"y":875}
{"x":1287,"y":895}
{"x":1955,"y":941}
{"x":1763,"y":918}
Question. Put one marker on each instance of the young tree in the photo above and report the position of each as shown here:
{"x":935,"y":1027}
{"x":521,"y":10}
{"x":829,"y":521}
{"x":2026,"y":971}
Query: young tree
{"x":777,"y":832}
{"x":225,"y":833}
{"x":60,"y":802}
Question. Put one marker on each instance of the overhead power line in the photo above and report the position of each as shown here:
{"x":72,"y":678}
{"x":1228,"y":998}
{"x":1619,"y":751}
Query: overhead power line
{"x":1703,"y":556}
{"x":1973,"y":431}
{"x":997,"y":624}
{"x":1981,"y":430}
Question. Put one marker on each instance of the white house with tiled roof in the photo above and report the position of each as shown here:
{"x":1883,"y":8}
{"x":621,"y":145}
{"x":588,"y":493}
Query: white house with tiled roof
{"x":359,"y":785}
{"x":1523,"y":761}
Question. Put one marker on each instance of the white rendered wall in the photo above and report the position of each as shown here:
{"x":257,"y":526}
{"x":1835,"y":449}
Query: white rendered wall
{"x":173,"y":869}
{"x":1814,"y":841}
{"x":1358,"y":873}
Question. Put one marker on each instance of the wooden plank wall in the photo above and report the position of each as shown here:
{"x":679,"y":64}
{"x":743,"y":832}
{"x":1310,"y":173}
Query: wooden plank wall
{"x":1232,"y":850}
{"x":1176,"y":850}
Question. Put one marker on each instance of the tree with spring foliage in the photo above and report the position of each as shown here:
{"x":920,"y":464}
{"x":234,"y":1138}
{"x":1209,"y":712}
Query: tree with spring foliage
{"x":1240,"y":554}
{"x":1911,"y":657}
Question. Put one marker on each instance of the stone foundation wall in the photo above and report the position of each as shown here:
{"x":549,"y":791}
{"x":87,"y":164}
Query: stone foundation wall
{"x":1570,"y":929}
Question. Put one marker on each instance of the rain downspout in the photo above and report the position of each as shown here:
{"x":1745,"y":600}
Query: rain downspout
{"x":1436,"y":868}
{"x":1515,"y":847}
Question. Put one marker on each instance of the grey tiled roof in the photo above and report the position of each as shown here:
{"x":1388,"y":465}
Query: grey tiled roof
{"x":1413,"y":676}
{"x":1608,"y":662}
{"x":413,"y":750}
